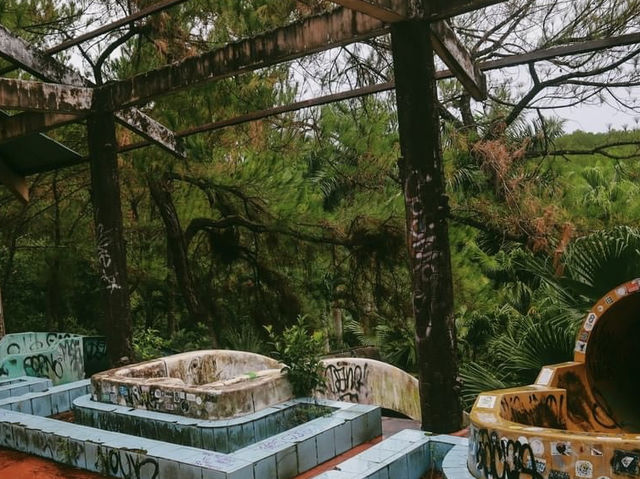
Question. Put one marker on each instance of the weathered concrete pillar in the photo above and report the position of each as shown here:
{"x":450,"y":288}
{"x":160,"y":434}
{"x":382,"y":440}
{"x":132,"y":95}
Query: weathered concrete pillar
{"x":105,"y":194}
{"x":421,"y":170}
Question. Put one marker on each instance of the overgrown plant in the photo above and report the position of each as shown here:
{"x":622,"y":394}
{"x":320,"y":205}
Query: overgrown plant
{"x":300,"y":349}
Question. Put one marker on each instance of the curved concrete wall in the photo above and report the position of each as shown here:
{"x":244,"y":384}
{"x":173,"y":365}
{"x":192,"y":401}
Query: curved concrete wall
{"x":581,"y":418}
{"x":212,"y":384}
{"x":367,"y":381}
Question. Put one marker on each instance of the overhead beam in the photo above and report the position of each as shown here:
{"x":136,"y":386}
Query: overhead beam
{"x":54,"y":120}
{"x":269,"y":112}
{"x":445,"y":42}
{"x":152,"y":130}
{"x":393,"y":11}
{"x":46,"y":97}
{"x":307,"y":36}
{"x":456,"y":56}
{"x":41,"y":65}
{"x":311,"y":35}
{"x":15,"y":183}
{"x":389,"y":11}
{"x":441,"y":9}
{"x":145,"y":12}
{"x":25,"y":124}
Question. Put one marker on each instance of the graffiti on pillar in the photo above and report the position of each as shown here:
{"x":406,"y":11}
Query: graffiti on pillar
{"x":104,"y":259}
{"x":347,"y":381}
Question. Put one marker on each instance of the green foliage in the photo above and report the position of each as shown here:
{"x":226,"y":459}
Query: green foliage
{"x":299,"y":349}
{"x":244,"y":337}
{"x":148,"y":344}
{"x":508,"y":346}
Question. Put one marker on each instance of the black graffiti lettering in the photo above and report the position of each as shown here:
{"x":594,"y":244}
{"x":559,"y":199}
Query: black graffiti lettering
{"x":503,"y":458}
{"x":95,"y":349}
{"x":43,"y":366}
{"x":130,"y":466}
{"x":71,"y":354}
{"x":346,"y":382}
{"x":534,"y":410}
{"x":13,"y":348}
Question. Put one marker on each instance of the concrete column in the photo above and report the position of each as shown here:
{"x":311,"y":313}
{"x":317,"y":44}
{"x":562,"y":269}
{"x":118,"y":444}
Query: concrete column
{"x":421,"y":170}
{"x":112,"y":263}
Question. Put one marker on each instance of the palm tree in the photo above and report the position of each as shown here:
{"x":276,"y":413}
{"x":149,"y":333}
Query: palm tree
{"x":545,"y":332}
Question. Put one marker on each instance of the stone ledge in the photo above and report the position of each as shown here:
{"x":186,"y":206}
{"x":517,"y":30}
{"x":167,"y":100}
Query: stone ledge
{"x":282,"y":456}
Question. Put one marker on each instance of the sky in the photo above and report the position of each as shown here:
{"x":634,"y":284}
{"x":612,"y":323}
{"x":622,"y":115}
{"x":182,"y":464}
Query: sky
{"x":596,"y":118}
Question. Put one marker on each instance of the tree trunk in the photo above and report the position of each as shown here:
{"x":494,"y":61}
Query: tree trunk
{"x":3,"y":330}
{"x":426,"y":207}
{"x":177,"y":247}
{"x":55,"y":314}
{"x":105,"y":194}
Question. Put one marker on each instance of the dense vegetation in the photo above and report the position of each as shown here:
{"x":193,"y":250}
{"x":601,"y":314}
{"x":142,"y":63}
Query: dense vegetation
{"x":303,"y":215}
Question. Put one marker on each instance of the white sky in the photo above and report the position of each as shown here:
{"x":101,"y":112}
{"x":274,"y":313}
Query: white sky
{"x":596,"y":118}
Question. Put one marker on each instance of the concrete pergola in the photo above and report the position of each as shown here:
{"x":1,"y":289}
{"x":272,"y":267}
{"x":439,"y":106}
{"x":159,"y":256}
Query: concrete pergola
{"x":418,"y":29}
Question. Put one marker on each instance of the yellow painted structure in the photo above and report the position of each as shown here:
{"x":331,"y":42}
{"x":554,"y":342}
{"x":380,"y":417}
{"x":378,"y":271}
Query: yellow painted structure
{"x":581,"y":419}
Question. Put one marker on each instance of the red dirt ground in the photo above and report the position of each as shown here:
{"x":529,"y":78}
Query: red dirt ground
{"x":17,"y":465}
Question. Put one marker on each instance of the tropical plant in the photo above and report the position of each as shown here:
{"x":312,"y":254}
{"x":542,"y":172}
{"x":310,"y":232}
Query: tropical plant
{"x":299,"y":349}
{"x":511,"y":350}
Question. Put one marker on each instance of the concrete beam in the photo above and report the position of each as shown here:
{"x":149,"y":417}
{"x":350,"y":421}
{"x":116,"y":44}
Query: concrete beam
{"x":307,"y":36}
{"x":441,"y":9}
{"x":151,"y":130}
{"x":16,"y":184}
{"x":25,"y":124}
{"x":47,"y":97}
{"x":456,"y":56}
{"x":389,"y":11}
{"x":41,"y":65}
{"x":393,"y":11}
{"x":445,"y":42}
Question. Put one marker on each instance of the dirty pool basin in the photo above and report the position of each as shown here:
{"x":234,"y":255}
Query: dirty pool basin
{"x":210,"y":384}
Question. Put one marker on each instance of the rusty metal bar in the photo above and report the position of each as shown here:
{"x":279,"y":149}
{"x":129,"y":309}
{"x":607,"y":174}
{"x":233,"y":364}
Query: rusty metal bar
{"x":389,"y":11}
{"x":145,"y":12}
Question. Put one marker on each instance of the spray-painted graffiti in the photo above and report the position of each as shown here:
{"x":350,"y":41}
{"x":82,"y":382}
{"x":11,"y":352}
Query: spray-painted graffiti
{"x":127,"y":465}
{"x":56,"y":356}
{"x":504,"y":458}
{"x":95,"y":354}
{"x":534,"y":409}
{"x":104,"y":259}
{"x":346,"y":382}
{"x":43,"y":366}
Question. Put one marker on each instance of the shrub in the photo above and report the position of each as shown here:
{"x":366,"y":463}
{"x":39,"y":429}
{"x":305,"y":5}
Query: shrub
{"x":300,"y":351}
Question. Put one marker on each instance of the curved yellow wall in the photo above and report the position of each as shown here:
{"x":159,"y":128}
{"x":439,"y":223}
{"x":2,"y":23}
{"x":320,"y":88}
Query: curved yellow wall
{"x":579,"y":419}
